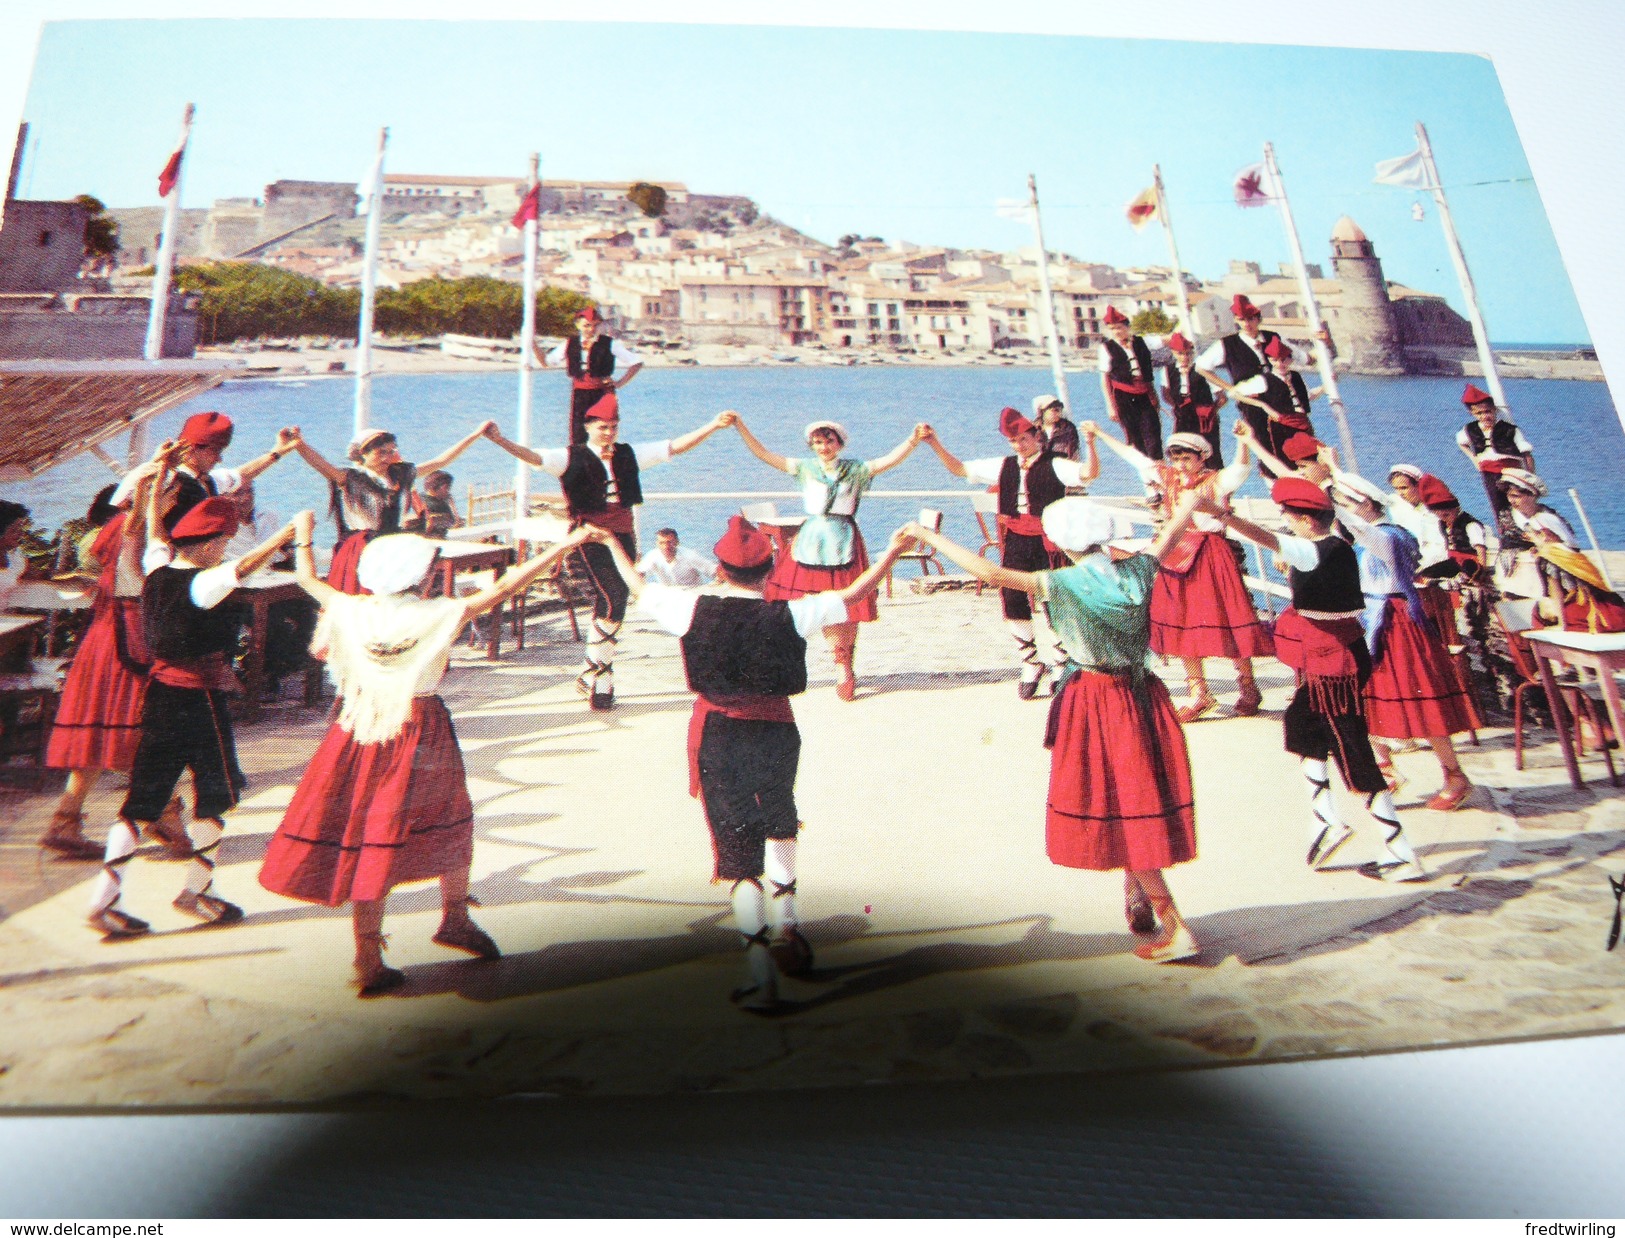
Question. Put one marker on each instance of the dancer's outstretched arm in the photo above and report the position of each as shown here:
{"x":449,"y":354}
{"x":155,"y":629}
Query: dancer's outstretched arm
{"x":987,"y":573}
{"x":754,"y":445}
{"x":329,"y":471}
{"x":521,"y":577}
{"x":458,"y":448}
{"x":899,"y":453}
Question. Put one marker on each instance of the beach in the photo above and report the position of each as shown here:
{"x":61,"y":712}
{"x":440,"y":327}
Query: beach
{"x":948,"y":946}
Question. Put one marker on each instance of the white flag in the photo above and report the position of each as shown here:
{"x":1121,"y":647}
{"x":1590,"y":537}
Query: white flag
{"x":1408,"y":172}
{"x":1010,"y":208}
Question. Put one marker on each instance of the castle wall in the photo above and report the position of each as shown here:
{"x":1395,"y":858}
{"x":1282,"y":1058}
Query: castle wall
{"x":42,"y":246}
{"x":90,"y":327}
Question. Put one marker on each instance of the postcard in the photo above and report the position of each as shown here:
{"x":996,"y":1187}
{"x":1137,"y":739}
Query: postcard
{"x":830,"y":571}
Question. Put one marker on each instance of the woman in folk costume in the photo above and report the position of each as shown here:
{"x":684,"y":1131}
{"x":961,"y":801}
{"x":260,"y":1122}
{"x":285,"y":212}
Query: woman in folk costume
{"x":745,"y":657}
{"x":1120,"y":785}
{"x":1414,"y":691}
{"x":371,"y":493}
{"x":385,"y":799}
{"x":1320,"y":637}
{"x":1200,"y":607}
{"x":1406,"y":509}
{"x":828,"y":552}
{"x":98,"y":722}
{"x":1190,"y":397}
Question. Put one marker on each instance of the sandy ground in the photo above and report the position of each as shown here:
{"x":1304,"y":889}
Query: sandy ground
{"x":947,"y":945}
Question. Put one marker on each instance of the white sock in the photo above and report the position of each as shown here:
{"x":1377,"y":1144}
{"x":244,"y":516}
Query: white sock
{"x":205,"y":834}
{"x":1026,"y":648}
{"x":780,"y":870}
{"x":121,"y":840}
{"x":750,"y":918}
{"x":1322,"y":808}
{"x":1398,"y":847}
{"x":599,"y":671}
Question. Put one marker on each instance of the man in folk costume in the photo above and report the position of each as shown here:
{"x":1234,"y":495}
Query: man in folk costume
{"x":1276,"y":402}
{"x":1200,"y":606}
{"x":1191,"y":399}
{"x":1493,"y":445}
{"x":1028,"y":482}
{"x":1413,"y":692}
{"x":1321,"y":638}
{"x":746,"y":657}
{"x":591,"y":356}
{"x":185,"y":721}
{"x":1126,"y":383}
{"x":602,"y":482}
{"x":199,"y":473}
{"x":1241,"y":353}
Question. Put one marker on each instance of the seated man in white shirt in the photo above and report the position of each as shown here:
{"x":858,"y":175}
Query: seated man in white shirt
{"x":671,"y":564}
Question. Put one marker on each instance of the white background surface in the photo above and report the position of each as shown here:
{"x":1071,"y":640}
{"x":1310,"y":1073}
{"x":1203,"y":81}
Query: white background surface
{"x":1523,"y":1130}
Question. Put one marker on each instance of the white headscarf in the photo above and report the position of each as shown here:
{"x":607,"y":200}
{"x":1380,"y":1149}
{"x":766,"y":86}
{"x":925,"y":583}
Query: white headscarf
{"x":1076,"y":524}
{"x":381,"y":652}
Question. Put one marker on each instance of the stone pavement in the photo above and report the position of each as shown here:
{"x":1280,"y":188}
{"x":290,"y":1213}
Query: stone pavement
{"x":948,"y":946}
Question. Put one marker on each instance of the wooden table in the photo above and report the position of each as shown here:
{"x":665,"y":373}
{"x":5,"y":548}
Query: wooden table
{"x":458,"y":557}
{"x":258,"y":593}
{"x":1603,"y":653}
{"x":527,"y":535}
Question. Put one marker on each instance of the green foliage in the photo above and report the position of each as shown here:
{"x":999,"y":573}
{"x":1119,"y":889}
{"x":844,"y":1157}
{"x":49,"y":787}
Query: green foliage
{"x":101,"y":230}
{"x":650,"y":199}
{"x":248,"y":300}
{"x":1153,"y":321}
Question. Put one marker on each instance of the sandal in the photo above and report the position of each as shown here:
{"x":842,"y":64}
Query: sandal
{"x":66,"y":836}
{"x":1453,"y":794}
{"x":208,"y":908}
{"x":1202,"y":702}
{"x":373,"y":975}
{"x":1395,"y":780}
{"x":1248,"y":698}
{"x":1177,"y":944}
{"x":468,"y":936}
{"x":116,"y":925}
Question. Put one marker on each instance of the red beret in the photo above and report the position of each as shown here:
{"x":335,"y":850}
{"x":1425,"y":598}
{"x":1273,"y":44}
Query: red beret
{"x":207,"y":430}
{"x":1301,"y":446}
{"x":210,"y":518}
{"x":1241,"y":307}
{"x":743,"y":545}
{"x":1278,"y":348}
{"x":1114,"y":316}
{"x":1177,"y":343}
{"x":590,"y":314}
{"x":1473,"y":396}
{"x":607,"y":409}
{"x":1300,"y":495}
{"x":1434,"y":493}
{"x":1012,"y":423}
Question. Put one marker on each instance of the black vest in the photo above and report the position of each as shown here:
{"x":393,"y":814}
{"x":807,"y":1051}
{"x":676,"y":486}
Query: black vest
{"x":1504,"y":438}
{"x":1182,"y":396}
{"x":1240,"y":361}
{"x":1122,"y":371}
{"x":1043,"y":487}
{"x":744,"y":647}
{"x":177,"y":629}
{"x":1456,"y":532}
{"x":600,"y":361}
{"x":586,"y":483}
{"x":1279,"y":394}
{"x":1333,"y":587}
{"x":189,"y":492}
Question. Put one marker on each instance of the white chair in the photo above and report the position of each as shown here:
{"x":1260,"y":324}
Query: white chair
{"x":925,"y":556}
{"x":985,"y":504}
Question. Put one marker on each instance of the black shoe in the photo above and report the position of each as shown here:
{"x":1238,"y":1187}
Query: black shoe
{"x":384,"y":980}
{"x":792,"y":953}
{"x":208,"y":908}
{"x":603,"y":700}
{"x":116,"y":925}
{"x":469,"y":937}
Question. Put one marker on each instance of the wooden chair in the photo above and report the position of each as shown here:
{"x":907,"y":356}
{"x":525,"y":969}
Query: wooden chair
{"x":1515,"y":618}
{"x":985,"y":505}
{"x":922,"y":554}
{"x":490,"y":506}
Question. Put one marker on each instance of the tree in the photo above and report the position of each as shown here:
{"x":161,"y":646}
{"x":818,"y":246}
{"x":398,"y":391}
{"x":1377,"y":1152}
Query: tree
{"x":1153,"y":321}
{"x":101,"y":231}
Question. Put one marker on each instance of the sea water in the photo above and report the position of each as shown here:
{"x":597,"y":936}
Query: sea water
{"x":1573,"y":426}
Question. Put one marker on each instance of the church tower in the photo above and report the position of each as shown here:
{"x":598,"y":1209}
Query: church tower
{"x":1364,"y":325}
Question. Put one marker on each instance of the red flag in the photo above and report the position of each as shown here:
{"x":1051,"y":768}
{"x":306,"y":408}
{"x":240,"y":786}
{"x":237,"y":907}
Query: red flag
{"x":1143,"y":209}
{"x":170,"y":174}
{"x":530,"y":207}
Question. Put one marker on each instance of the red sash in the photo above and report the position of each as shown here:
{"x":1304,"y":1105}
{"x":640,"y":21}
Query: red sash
{"x":750,"y":708}
{"x":208,"y":672}
{"x":1317,"y":648}
{"x":1139,"y":387}
{"x":614,"y":518}
{"x":588,"y":383}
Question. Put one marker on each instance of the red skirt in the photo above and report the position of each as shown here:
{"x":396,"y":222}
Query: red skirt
{"x":346,"y":556}
{"x":1120,"y":777}
{"x":1206,"y":611}
{"x":98,"y":723}
{"x":791,"y":580}
{"x":1414,"y":691}
{"x":367,"y":817}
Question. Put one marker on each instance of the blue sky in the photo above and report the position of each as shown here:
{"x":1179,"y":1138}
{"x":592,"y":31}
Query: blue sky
{"x":910,"y":135}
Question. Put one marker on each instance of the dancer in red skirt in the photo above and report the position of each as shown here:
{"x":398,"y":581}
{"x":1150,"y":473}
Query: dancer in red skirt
{"x":371,"y":492}
{"x":1414,"y":691}
{"x":385,"y":799}
{"x":828,"y":552}
{"x":1200,"y":607}
{"x":1120,"y":783}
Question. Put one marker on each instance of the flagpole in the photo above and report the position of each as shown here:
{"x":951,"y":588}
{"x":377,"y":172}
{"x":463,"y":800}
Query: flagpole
{"x":1323,"y":356}
{"x":1186,"y":324}
{"x":162,"y":270}
{"x":1486,"y":359}
{"x":527,"y":348}
{"x":369,"y":293}
{"x":1049,"y":296}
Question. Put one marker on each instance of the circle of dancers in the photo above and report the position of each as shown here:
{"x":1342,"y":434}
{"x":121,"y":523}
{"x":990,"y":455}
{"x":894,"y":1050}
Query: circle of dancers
{"x":1388,"y":593}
